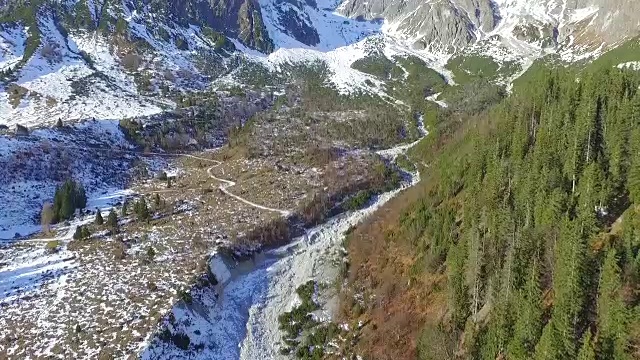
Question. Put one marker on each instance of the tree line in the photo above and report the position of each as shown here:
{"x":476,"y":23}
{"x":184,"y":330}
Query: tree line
{"x":535,"y":218}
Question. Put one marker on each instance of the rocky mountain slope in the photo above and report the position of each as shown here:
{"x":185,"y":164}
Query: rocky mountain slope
{"x":450,"y":25}
{"x":112,"y":59}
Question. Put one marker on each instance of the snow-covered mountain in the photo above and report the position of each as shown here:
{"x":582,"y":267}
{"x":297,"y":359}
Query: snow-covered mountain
{"x":111,"y":59}
{"x":451,"y":25}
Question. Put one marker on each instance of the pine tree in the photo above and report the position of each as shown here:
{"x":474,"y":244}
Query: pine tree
{"x":67,"y":209}
{"x":125,"y":208}
{"x":568,"y":287}
{"x":458,"y":290}
{"x":80,"y":198}
{"x":141,"y":210}
{"x":112,"y":220}
{"x":587,"y":351}
{"x":79,"y":233}
{"x":548,"y":348}
{"x":59,"y":123}
{"x":99,"y":220}
{"x":68,"y":197}
{"x":612,"y":314}
{"x":633,"y":179}
{"x":85,"y":232}
{"x":529,"y":322}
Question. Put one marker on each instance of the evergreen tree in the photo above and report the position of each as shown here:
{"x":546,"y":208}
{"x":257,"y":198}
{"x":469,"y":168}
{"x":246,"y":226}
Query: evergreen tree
{"x":112,"y":220}
{"x":85,"y":232}
{"x":568,"y":287}
{"x":67,"y":209}
{"x":142,"y":210}
{"x":80,"y":200}
{"x":612,"y":314}
{"x":125,"y":208}
{"x":68,"y":197}
{"x":99,"y":220}
{"x":633,"y":181}
{"x":529,"y":322}
{"x":81,"y":233}
{"x":458,"y":291}
{"x":587,"y":351}
{"x":549,"y":346}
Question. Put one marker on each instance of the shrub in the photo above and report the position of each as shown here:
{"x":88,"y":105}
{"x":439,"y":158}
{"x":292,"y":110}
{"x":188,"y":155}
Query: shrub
{"x":151,"y":253}
{"x":81,"y":233}
{"x":52,"y":246}
{"x":185,"y":296}
{"x":50,"y":52}
{"x":119,"y":251}
{"x":16,"y":94}
{"x":357,"y":201}
{"x":131,"y":61}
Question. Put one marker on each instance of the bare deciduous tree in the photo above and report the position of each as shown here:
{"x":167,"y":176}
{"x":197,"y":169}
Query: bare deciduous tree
{"x":46,"y":217}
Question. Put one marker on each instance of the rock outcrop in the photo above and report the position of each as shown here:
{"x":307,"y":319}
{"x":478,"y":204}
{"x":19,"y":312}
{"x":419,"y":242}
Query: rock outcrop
{"x":447,"y":25}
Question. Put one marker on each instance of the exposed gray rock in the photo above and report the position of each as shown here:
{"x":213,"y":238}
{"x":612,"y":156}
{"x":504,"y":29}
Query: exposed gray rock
{"x":451,"y":24}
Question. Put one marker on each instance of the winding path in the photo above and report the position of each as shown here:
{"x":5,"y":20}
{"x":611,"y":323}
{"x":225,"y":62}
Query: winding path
{"x":223,"y":187}
{"x":228,"y":183}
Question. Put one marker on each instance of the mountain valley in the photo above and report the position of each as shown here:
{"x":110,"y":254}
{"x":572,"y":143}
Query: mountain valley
{"x":319,"y":179}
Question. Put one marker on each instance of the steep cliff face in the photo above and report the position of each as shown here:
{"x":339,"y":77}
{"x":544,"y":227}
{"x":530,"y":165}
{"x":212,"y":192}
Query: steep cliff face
{"x":447,"y":25}
{"x":240,"y":19}
{"x":443,"y":25}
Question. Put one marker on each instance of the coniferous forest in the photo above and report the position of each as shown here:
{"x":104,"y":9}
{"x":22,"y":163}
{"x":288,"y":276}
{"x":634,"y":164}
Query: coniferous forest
{"x":530,"y":215}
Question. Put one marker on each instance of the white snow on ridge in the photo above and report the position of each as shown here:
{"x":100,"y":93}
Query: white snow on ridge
{"x":632,"y":65}
{"x":344,"y":78}
{"x":579,"y":15}
{"x":51,"y":94}
{"x":12,"y":44}
{"x":334,"y":30}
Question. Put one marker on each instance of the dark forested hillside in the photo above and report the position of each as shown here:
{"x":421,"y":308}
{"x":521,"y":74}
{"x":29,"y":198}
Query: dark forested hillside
{"x":523,"y":241}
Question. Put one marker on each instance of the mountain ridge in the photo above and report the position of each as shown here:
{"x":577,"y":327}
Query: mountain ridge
{"x":58,"y":57}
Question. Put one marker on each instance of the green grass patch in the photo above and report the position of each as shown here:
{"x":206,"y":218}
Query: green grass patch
{"x":358,"y":201}
{"x":52,"y":246}
{"x":629,"y":51}
{"x":470,"y":68}
{"x":405,"y":164}
{"x":419,"y":82}
{"x":379,"y":66}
